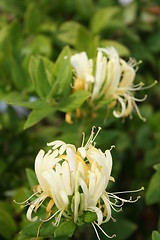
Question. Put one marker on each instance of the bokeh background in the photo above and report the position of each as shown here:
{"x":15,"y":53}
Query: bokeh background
{"x":43,"y":27}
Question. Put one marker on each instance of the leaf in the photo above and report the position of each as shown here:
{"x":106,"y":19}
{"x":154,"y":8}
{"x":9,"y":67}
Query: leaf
{"x":31,"y":176}
{"x":89,"y":217}
{"x":32,"y":18}
{"x":68,"y":32}
{"x":38,"y":114}
{"x":102,"y":18}
{"x":66,"y":228}
{"x":86,"y":42}
{"x":157,"y":167}
{"x":18,"y":74}
{"x":7,"y":225}
{"x":16,"y":99}
{"x":155,"y":235}
{"x":49,"y":68}
{"x":123,"y":228}
{"x":31,"y":229}
{"x":153,"y":191}
{"x":74,"y":101}
{"x":153,"y":42}
{"x":63,"y":71}
{"x":122,"y":50}
{"x":39,"y":77}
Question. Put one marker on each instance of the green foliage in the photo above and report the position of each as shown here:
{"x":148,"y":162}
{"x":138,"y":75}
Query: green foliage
{"x":65,"y":229}
{"x":155,"y":235}
{"x":74,"y":101}
{"x":153,"y":191}
{"x":7,"y":224}
{"x":37,"y":39}
{"x":123,"y":228}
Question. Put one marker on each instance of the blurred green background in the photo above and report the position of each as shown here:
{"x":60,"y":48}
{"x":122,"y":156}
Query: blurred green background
{"x":44,"y":27}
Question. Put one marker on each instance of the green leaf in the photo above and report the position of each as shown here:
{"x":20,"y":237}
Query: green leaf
{"x":122,"y":50}
{"x":63,"y":71}
{"x":86,"y":42}
{"x":74,"y":101}
{"x":102,"y":18}
{"x":123,"y":228}
{"x":19,"y":100}
{"x":31,"y":230}
{"x":89,"y":217}
{"x":155,"y":235}
{"x":49,"y":68}
{"x":68,"y":32}
{"x":7,"y":225}
{"x":38,"y":114}
{"x":153,"y":191}
{"x":19,"y":76}
{"x":32,"y":18}
{"x":66,"y":228}
{"x":153,"y":42}
{"x":157,"y":167}
{"x":39,"y":77}
{"x":31,"y":176}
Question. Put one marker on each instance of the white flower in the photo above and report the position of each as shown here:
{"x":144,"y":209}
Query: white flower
{"x":83,"y":71}
{"x":112,"y":81}
{"x":75,"y":181}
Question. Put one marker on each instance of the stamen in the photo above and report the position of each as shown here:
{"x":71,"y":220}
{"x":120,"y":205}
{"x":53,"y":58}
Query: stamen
{"x":46,"y":220}
{"x":26,"y":201}
{"x":113,"y":146}
{"x":90,"y":138}
{"x":124,"y":200}
{"x":138,"y":112}
{"x":99,"y":129}
{"x":132,"y":191}
{"x":139,"y":100}
{"x":95,"y":231}
{"x":58,"y":219}
{"x":114,"y":235}
{"x":83,"y":139}
{"x":147,"y":87}
{"x":113,"y":219}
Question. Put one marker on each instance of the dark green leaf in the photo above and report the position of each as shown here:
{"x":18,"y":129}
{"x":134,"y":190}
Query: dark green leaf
{"x":7,"y":225}
{"x":63,"y":72}
{"x":39,"y":77}
{"x":31,"y":176}
{"x":19,"y":100}
{"x":89,"y":217}
{"x":38,"y":114}
{"x":74,"y":101}
{"x":66,"y":228}
{"x":153,"y":191}
{"x":123,"y":228}
{"x":31,"y":229}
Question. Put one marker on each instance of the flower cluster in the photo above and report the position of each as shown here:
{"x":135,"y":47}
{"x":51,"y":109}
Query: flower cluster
{"x":110,"y":80}
{"x":75,"y":181}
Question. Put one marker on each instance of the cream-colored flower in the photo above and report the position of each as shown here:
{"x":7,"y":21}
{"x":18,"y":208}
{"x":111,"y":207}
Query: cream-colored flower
{"x":75,"y":181}
{"x":83,"y":71}
{"x":112,"y":81}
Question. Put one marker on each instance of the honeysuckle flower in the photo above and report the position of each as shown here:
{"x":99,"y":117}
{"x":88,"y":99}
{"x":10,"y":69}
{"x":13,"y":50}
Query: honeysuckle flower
{"x":111,"y":81}
{"x":83,"y":68}
{"x":75,"y":181}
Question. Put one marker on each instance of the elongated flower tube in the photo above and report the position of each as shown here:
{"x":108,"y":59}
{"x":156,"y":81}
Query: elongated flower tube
{"x":75,"y":181}
{"x":111,"y":80}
